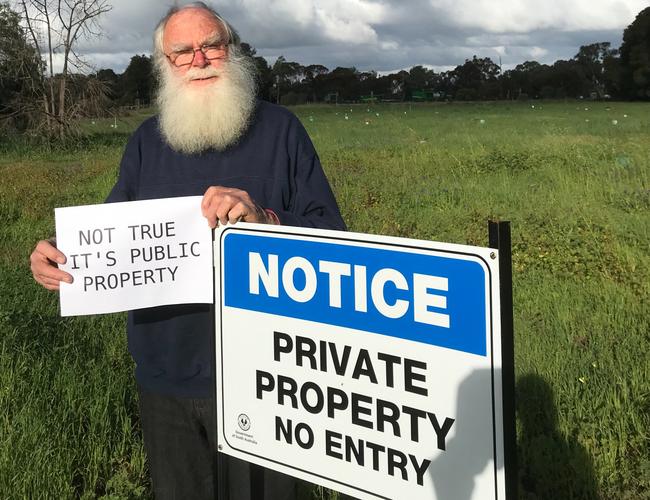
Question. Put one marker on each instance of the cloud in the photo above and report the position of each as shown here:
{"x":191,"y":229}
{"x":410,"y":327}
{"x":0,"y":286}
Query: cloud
{"x":387,"y":34}
{"x":538,"y":52}
{"x":348,"y":30}
{"x":521,"y":16}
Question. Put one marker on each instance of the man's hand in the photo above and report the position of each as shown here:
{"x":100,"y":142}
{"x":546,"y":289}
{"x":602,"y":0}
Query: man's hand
{"x":44,"y":260}
{"x":229,"y":205}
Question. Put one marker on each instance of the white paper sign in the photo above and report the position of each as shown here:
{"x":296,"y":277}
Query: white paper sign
{"x":367,"y":364}
{"x":132,"y":255}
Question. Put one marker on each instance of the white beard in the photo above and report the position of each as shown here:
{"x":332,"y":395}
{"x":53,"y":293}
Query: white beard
{"x":213,"y":116}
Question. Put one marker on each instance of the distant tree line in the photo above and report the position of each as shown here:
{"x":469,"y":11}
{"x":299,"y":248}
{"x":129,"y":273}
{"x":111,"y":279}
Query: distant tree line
{"x":27,"y":86}
{"x":597,"y":71}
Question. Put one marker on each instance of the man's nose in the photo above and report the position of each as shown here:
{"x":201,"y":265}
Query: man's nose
{"x":199,"y":59}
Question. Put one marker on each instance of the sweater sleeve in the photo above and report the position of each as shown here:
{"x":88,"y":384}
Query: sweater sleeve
{"x":312,"y":200}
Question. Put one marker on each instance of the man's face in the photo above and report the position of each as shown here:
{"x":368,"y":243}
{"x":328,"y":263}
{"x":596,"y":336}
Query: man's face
{"x":190,"y":29}
{"x":206,"y":104}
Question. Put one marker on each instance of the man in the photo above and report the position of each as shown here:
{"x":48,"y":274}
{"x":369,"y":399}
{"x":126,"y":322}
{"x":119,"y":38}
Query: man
{"x":251,"y":161}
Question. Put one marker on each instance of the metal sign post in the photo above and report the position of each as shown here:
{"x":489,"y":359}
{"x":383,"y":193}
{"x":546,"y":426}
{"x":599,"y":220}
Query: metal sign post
{"x":499,"y":238}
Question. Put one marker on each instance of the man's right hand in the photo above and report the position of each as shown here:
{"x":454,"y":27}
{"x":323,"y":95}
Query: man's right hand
{"x":44,"y":260}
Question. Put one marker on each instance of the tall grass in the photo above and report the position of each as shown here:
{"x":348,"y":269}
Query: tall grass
{"x":573,"y":178}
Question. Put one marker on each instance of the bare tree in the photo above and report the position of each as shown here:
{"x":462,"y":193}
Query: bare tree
{"x":56,"y":26}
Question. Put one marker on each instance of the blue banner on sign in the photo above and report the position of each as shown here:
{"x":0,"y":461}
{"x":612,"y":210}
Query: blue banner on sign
{"x":416,"y":296}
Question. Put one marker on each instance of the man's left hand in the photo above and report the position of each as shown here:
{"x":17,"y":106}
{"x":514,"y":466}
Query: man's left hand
{"x":223,"y":205}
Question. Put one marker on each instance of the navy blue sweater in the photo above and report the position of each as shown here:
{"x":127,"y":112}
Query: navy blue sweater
{"x":275,"y":162}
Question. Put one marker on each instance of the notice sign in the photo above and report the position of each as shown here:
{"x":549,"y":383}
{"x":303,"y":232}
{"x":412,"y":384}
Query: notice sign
{"x":367,"y":364}
{"x":136,"y":254}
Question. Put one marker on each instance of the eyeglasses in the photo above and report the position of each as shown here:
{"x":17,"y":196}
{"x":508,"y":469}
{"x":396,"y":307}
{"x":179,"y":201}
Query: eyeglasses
{"x":185,"y":57}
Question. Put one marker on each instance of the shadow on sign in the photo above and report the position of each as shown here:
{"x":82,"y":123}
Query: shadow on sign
{"x":470,"y":450}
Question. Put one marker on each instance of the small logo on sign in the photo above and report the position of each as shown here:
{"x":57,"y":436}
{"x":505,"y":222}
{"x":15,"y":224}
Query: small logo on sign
{"x":244,"y":422}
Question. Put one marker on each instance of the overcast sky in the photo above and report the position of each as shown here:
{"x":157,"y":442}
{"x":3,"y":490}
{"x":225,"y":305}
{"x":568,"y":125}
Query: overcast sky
{"x":386,"y":35}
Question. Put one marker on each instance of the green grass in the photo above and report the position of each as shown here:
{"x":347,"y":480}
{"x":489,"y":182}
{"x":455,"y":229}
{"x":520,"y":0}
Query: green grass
{"x":574,"y":184}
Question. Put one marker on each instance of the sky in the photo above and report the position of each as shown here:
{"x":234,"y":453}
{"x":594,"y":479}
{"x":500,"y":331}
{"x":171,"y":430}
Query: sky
{"x":384,"y":35}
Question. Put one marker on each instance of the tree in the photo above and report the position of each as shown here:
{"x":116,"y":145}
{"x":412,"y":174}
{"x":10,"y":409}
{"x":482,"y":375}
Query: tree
{"x":635,"y":58}
{"x":62,"y":24}
{"x":612,"y":73}
{"x":314,"y":70}
{"x":565,"y":79}
{"x":342,"y":81}
{"x":592,"y":59}
{"x":285,"y":74}
{"x":111,"y":81}
{"x":20,"y":67}
{"x":137,"y":82}
{"x":264,"y":77}
{"x":418,"y":80}
{"x":313,"y":77}
{"x":476,"y":78}
{"x":369,"y":86}
{"x":525,"y":80}
{"x":421,"y":78}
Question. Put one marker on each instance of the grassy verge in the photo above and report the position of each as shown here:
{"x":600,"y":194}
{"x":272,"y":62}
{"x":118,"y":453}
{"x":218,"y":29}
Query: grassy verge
{"x":574,"y":180}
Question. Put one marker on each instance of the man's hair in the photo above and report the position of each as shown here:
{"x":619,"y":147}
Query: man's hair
{"x":232,"y":38}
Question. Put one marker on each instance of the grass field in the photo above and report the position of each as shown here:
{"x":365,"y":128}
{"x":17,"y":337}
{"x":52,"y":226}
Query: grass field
{"x":574,"y":180}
